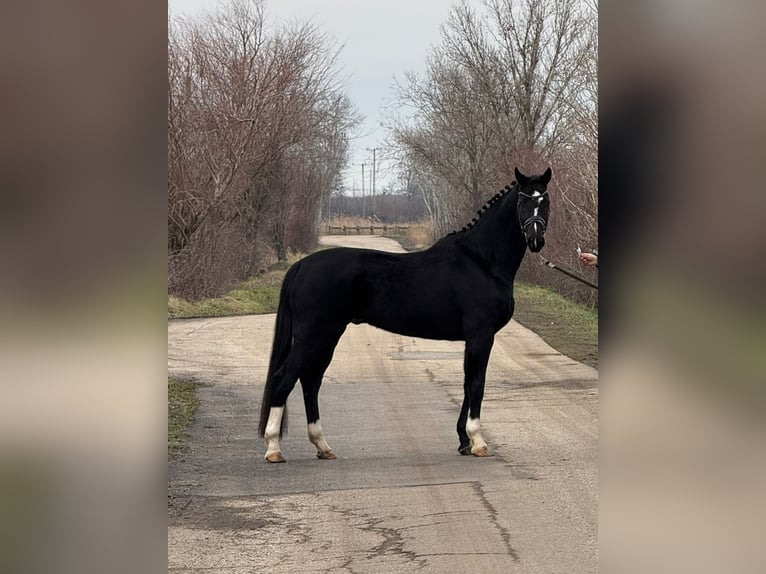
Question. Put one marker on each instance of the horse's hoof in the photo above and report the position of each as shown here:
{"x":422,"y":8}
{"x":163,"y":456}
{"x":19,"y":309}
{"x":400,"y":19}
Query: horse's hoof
{"x":482,"y":452}
{"x":275,"y":457}
{"x":329,"y":455}
{"x":464,"y":450}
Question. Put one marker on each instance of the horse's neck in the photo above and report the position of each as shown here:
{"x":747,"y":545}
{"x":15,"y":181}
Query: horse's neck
{"x":497,"y":242}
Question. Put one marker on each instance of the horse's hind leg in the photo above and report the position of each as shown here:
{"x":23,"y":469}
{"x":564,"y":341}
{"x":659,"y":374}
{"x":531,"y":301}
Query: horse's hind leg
{"x":284,"y":382}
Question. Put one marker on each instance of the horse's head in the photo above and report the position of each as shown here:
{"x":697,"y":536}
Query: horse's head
{"x":533,"y":207}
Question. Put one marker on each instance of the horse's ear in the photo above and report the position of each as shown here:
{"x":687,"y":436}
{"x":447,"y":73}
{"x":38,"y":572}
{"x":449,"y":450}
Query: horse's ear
{"x":520,"y":177}
{"x":546,"y":177}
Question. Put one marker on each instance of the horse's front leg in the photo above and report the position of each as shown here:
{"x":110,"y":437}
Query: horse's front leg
{"x":311,"y":400}
{"x":477,"y":351}
{"x":465,"y":442}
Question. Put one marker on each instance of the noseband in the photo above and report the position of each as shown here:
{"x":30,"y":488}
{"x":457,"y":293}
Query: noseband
{"x":531,"y":220}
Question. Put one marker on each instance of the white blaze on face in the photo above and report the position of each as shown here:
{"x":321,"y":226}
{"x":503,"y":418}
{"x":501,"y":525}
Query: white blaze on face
{"x":473,"y":428}
{"x":539,"y":197}
{"x":272,"y":430}
{"x":316,"y":436}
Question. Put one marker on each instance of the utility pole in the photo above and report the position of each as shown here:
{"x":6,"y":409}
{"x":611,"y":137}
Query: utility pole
{"x":374,"y":150}
{"x":364,"y":211}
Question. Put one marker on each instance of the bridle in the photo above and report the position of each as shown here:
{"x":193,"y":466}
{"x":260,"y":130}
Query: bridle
{"x":533,"y":218}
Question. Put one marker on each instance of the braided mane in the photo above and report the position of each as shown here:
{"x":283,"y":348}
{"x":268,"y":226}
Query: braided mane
{"x":486,"y":207}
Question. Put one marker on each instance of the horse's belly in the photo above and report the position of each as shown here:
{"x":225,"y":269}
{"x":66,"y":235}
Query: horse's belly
{"x":420,"y":327}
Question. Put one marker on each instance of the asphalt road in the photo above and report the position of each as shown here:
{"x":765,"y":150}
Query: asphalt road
{"x":399,"y":498}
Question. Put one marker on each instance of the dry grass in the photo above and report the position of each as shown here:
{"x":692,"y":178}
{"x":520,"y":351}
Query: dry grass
{"x":420,"y":233}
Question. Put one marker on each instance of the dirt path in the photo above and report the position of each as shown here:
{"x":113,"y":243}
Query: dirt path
{"x":399,"y":498}
{"x":363,"y":241}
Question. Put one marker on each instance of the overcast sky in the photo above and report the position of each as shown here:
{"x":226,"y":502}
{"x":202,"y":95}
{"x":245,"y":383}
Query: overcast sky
{"x":381,"y":39}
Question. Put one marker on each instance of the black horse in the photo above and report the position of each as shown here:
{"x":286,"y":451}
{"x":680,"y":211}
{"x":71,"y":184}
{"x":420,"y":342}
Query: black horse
{"x":460,"y":289}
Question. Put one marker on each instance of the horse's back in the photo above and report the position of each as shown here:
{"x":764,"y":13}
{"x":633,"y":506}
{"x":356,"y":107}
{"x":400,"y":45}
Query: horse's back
{"x":333,"y":283}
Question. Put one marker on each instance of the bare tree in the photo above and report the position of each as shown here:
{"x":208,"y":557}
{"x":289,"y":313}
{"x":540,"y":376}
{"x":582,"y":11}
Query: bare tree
{"x":511,"y":84}
{"x":251,"y":110}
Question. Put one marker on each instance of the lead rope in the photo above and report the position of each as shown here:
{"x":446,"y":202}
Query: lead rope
{"x":566,"y":271}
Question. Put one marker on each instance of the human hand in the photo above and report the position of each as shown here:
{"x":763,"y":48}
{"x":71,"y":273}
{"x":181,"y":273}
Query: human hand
{"x":589,"y":259}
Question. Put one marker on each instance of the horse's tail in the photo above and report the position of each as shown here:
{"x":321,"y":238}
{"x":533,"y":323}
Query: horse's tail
{"x":283,"y":342}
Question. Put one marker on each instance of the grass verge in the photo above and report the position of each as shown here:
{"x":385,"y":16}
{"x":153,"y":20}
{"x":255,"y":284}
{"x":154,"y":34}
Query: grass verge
{"x":568,"y":327}
{"x":259,"y":294}
{"x":182,"y":403}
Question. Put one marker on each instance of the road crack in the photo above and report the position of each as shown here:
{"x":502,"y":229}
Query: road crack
{"x":478,"y":488}
{"x":392,"y":545}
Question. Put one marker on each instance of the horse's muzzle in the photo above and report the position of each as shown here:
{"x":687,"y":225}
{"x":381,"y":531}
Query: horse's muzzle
{"x":535,"y":236}
{"x":535,"y":242}
{"x":534,"y":233}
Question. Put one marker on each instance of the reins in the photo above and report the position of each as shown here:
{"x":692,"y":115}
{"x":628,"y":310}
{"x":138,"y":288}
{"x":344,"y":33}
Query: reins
{"x":566,"y":271}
